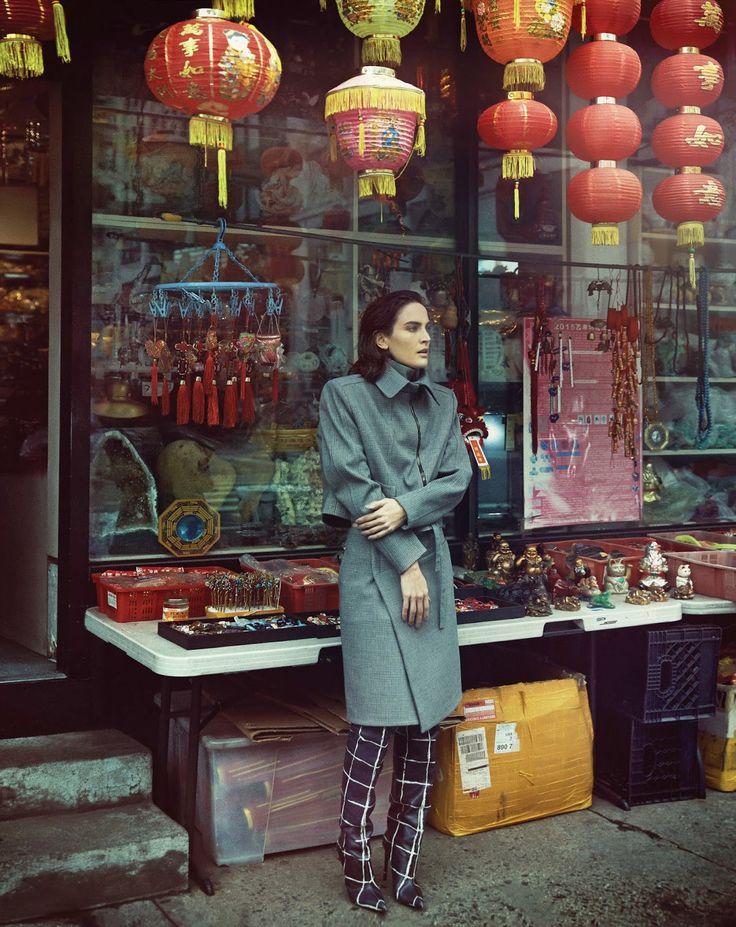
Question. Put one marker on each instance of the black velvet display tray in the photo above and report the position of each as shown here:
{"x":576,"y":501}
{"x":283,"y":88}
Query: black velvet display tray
{"x":503,"y":612}
{"x":233,"y":636}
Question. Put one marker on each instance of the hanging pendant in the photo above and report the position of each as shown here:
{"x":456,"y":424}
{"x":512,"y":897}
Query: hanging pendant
{"x":656,"y":436}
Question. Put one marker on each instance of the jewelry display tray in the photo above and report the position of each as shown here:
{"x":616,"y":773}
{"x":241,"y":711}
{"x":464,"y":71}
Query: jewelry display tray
{"x":236,"y":637}
{"x":502,"y":613}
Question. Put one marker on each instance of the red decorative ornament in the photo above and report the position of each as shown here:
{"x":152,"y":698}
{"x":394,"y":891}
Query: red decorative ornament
{"x":615,"y":16}
{"x":217,"y":71}
{"x":24,"y":24}
{"x":687,"y":80}
{"x":523,"y":35}
{"x":680,"y":23}
{"x":603,"y":69}
{"x":607,"y":131}
{"x":518,"y":125}
{"x":604,"y":196}
{"x":688,"y":141}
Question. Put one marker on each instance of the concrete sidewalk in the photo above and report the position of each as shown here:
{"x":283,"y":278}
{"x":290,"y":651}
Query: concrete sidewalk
{"x":672,"y":865}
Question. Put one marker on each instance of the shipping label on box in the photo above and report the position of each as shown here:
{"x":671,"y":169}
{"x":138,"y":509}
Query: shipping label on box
{"x":472,"y":752}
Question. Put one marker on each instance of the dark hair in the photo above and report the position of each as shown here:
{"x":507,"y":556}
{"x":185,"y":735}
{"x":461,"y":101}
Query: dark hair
{"x":379,"y":317}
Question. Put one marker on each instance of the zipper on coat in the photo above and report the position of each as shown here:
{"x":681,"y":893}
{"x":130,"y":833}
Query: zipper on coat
{"x":419,"y":441}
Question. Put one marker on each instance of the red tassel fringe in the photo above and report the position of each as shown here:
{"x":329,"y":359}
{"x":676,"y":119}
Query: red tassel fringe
{"x":198,"y":402}
{"x":154,"y":383}
{"x":183,"y":403}
{"x":213,"y":406}
{"x":209,"y":373}
{"x":165,"y":397}
{"x":230,"y":405}
{"x":248,"y":413}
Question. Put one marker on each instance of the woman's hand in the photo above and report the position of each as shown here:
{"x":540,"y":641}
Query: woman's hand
{"x":415,"y":596}
{"x":386,"y":515}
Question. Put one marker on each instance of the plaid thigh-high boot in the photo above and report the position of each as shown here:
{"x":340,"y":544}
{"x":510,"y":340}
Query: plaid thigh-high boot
{"x":364,"y":754}
{"x":414,"y":766}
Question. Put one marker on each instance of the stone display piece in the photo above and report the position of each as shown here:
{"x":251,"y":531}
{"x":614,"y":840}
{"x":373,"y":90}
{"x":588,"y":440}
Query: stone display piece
{"x":187,"y":469}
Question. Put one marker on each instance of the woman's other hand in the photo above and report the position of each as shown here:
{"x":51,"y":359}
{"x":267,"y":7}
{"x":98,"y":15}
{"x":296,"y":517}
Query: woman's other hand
{"x":385,"y":516}
{"x":415,"y":596}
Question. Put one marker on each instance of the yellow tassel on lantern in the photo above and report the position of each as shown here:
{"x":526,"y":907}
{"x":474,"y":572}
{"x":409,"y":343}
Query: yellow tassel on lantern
{"x":383,"y":50}
{"x":361,"y":98}
{"x":691,"y":270}
{"x":361,"y":135}
{"x":420,"y":145}
{"x":583,"y":17}
{"x":517,"y":165}
{"x":21,"y":56}
{"x":605,"y":233}
{"x":382,"y":183}
{"x":236,"y":9}
{"x":332,"y":142}
{"x":62,"y":42}
{"x":524,"y":74}
{"x":517,"y":14}
{"x":210,"y":132}
{"x":438,"y":6}
{"x":222,"y":177}
{"x":463,"y":28}
{"x":690,"y":234}
{"x":517,"y":204}
{"x":323,"y":5}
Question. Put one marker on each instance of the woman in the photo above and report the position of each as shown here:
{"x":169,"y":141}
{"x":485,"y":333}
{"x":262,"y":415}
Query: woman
{"x":393,"y":464}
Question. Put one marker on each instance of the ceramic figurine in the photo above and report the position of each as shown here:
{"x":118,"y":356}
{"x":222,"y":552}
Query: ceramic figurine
{"x":539,"y":605}
{"x":683,"y":583}
{"x":501,"y":563}
{"x":638,"y":596}
{"x":496,"y":542}
{"x":651,"y":483}
{"x":567,"y":603}
{"x":530,"y":562}
{"x":601,"y":600}
{"x":471,"y":552}
{"x":653,"y":567}
{"x":616,"y":577}
{"x":585,"y":583}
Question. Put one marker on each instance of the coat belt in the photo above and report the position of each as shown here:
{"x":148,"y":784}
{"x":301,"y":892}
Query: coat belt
{"x":439,"y":547}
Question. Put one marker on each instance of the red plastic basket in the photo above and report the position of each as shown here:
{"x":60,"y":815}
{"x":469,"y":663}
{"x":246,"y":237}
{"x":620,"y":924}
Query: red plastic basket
{"x":713,"y":571}
{"x":316,"y":597}
{"x":121,"y":603}
{"x":559,"y":550}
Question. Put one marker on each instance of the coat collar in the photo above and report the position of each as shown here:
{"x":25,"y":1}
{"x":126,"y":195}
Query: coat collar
{"x":395,"y":377}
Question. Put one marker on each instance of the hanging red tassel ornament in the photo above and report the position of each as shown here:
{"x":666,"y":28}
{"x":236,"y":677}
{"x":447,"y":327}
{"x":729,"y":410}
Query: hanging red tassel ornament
{"x":209,"y":372}
{"x":230,"y":405}
{"x":154,"y":383}
{"x":213,"y":405}
{"x":165,"y":397}
{"x":183,"y":403}
{"x":248,"y":411}
{"x":198,"y":398}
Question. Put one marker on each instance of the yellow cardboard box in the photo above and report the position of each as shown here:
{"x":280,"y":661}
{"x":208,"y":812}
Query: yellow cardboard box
{"x":522,"y":751}
{"x":719,"y":761}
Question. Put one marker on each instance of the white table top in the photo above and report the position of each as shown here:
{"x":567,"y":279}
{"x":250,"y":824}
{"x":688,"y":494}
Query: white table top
{"x":141,"y":641}
{"x":705,"y":605}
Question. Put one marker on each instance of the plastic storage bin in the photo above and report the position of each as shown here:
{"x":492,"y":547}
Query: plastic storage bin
{"x":713,"y":571}
{"x":559,"y":551}
{"x":664,"y":674}
{"x":299,"y":598}
{"x":265,"y":797}
{"x":640,"y":764}
{"x":123,"y":603}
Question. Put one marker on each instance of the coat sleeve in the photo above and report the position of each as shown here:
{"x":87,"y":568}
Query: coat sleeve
{"x":428,"y":504}
{"x":345,"y":470}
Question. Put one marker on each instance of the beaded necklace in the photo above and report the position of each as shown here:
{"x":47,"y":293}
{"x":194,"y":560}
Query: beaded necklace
{"x":702,"y":390}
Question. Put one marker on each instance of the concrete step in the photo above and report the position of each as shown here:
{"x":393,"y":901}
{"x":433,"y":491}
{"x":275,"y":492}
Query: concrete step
{"x":50,"y":864}
{"x":61,"y":772}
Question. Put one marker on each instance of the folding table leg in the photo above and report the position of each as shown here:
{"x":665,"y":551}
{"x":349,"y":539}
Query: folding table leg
{"x":190,"y":788}
{"x":161,"y":765}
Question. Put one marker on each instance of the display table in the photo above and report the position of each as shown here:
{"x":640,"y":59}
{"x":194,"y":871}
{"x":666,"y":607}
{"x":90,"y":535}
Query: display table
{"x":141,"y":642}
{"x":705,"y":605}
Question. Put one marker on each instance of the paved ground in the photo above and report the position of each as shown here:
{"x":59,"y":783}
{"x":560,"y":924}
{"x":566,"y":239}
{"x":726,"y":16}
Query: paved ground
{"x":672,"y":865}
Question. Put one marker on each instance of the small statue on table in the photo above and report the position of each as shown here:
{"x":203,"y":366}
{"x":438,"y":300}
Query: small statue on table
{"x":585,"y":582}
{"x":653,"y":568}
{"x":501,"y":563}
{"x":493,"y":547}
{"x":471,"y":552}
{"x":530,"y":579}
{"x":683,"y":583}
{"x":530,"y":563}
{"x":616,"y":577}
{"x":538,"y":605}
{"x":638,"y":596}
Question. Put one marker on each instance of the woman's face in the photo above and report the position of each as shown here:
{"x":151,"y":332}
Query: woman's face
{"x":408,"y":342}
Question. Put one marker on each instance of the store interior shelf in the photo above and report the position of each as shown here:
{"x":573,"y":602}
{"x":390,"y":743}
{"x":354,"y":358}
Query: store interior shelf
{"x":693,"y":379}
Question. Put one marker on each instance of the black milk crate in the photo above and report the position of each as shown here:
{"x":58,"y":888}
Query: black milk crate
{"x":660,"y":674}
{"x":640,"y":764}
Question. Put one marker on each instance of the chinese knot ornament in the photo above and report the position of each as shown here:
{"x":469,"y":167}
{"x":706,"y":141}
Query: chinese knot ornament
{"x":605,"y":131}
{"x":381,"y":24}
{"x":216,"y":71}
{"x":24,"y":24}
{"x":688,"y":141}
{"x":522,"y":35}
{"x":376,"y":122}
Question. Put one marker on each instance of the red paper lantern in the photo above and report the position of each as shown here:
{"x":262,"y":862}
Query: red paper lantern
{"x":24,"y":24}
{"x":591,"y":17}
{"x":603,"y":69}
{"x":522,"y":35}
{"x":216,"y":71}
{"x":689,"y":79}
{"x":689,"y":198}
{"x":688,"y":139}
{"x":606,"y":131}
{"x":679,"y":23}
{"x":604,"y":196}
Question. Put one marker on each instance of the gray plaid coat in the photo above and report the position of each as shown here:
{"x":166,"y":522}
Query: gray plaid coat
{"x":400,"y":439}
